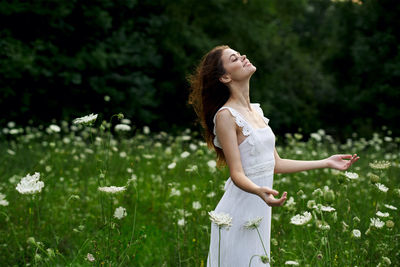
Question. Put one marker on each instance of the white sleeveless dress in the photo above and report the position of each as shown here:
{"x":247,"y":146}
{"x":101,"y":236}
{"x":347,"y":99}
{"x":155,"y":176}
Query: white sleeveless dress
{"x":239,"y":244}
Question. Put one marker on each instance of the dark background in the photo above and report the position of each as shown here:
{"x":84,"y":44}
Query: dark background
{"x":323,"y":64}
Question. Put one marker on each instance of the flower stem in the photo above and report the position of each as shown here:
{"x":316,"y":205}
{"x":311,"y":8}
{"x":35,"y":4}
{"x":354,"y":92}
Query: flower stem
{"x":262,"y":243}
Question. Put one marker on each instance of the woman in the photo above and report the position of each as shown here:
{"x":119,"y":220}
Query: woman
{"x":239,"y":133}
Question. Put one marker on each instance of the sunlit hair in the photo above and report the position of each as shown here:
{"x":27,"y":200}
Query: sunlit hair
{"x":208,"y":94}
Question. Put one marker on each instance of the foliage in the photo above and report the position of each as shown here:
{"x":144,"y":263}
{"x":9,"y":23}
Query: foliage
{"x":171,"y":184}
{"x":320,"y":63}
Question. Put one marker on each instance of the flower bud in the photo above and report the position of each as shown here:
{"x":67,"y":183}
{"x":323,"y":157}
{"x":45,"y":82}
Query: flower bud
{"x":31,"y":240}
{"x":51,"y":253}
{"x":389,"y":224}
{"x":38,"y":257}
{"x":329,"y":196}
{"x":264,"y":259}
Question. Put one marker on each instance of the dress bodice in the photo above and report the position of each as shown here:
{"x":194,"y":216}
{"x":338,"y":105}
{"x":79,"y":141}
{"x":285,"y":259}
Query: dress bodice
{"x":257,"y":150}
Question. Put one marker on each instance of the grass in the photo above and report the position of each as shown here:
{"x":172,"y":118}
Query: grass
{"x":167,"y":223}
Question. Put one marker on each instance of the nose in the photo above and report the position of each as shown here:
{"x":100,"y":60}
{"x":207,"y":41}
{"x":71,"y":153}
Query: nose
{"x":243,"y":57}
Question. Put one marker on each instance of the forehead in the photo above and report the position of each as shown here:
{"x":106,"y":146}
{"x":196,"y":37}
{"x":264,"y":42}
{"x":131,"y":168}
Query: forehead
{"x":228,"y":53}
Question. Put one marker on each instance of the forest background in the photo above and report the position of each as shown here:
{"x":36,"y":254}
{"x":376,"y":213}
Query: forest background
{"x":321,"y":64}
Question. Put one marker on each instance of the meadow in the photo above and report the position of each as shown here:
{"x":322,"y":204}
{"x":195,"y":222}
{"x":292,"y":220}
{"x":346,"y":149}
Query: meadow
{"x":120,"y":196}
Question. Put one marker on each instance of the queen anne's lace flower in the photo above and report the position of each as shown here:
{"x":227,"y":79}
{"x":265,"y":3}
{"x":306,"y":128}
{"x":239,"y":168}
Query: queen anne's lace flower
{"x":112,"y":189}
{"x":295,"y":263}
{"x":120,"y":213}
{"x":351,"y":175}
{"x":301,"y":219}
{"x":390,"y":207}
{"x":253,"y":224}
{"x":122,"y":127}
{"x":3,"y":201}
{"x":382,"y":214}
{"x":90,"y":257}
{"x":196,"y":205}
{"x":86,"y":120}
{"x":376,"y":222}
{"x":356,"y":233}
{"x":320,"y":207}
{"x":381,"y":187}
{"x":30,"y":184}
{"x":380,"y":165}
{"x":221,"y":219}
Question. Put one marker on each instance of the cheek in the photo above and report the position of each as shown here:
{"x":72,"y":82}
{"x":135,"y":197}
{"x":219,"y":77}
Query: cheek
{"x":234,"y":67}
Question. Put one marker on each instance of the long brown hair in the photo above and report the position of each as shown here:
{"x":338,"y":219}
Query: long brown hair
{"x":208,"y":94}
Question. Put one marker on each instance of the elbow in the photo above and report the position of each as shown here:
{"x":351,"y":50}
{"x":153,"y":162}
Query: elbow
{"x":277,"y":166}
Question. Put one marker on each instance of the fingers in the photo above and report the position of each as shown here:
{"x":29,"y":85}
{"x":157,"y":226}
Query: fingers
{"x":273,"y":202}
{"x":270,"y":191}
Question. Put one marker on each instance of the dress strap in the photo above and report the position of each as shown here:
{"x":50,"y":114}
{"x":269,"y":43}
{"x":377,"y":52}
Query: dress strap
{"x":260,"y":111}
{"x":240,"y":121}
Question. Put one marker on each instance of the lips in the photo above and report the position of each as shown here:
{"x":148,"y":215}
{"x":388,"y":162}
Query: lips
{"x":246,"y":62}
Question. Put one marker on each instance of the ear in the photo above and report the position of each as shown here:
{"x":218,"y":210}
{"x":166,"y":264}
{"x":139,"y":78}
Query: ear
{"x":226,"y":78}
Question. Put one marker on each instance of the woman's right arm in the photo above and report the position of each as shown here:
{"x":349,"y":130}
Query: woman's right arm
{"x":225,"y":127}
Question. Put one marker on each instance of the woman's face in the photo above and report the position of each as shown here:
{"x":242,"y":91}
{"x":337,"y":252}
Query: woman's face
{"x":237,"y":67}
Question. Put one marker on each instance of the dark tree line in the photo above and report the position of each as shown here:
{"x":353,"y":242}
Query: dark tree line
{"x":320,"y":64}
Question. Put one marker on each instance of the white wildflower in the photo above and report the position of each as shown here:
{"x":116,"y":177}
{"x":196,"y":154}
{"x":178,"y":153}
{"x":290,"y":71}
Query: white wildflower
{"x":54,"y":128}
{"x":351,"y":175}
{"x":221,"y":219}
{"x":295,"y":263}
{"x":186,"y":137}
{"x":185,"y":154}
{"x":112,"y":189}
{"x":386,"y":260}
{"x":290,"y":204}
{"x":376,"y":222}
{"x":390,"y":207}
{"x":301,"y":219}
{"x":380,"y":165}
{"x":356,"y":233}
{"x":381,"y":187}
{"x":253,"y":224}
{"x":146,"y":130}
{"x":122,"y":128}
{"x":196,"y":205}
{"x":90,"y":257}
{"x":172,"y":165}
{"x":120,"y":213}
{"x":30,"y":184}
{"x":212,"y":164}
{"x":211,"y":194}
{"x":175,"y":192}
{"x":382,"y":214}
{"x":3,"y":201}
{"x":86,"y":120}
{"x":320,"y":207}
{"x":323,"y":225}
{"x":192,"y":147}
{"x":181,"y":222}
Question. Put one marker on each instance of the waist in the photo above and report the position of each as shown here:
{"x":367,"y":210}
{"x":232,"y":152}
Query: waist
{"x":263,"y":168}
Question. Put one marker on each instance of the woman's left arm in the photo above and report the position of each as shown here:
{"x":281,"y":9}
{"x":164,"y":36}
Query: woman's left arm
{"x":340,"y":162}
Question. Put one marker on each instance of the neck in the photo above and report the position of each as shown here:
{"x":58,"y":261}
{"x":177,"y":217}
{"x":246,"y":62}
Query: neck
{"x":240,"y":95}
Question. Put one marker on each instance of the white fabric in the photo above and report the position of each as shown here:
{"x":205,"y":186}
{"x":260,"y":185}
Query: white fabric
{"x":239,"y":244}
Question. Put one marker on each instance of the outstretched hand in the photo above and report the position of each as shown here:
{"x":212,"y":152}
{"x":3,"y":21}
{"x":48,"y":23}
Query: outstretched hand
{"x":267,"y":194}
{"x":339,"y":162}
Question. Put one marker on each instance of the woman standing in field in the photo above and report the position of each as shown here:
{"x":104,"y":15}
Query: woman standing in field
{"x":239,"y":133}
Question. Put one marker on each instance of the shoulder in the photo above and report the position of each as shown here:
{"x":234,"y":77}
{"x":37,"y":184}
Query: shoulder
{"x":224,"y":117}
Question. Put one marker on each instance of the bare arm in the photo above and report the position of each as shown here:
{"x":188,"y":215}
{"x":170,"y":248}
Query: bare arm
{"x":336,"y":162}
{"x":226,"y":132}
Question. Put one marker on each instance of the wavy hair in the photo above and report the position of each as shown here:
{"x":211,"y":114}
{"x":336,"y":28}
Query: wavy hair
{"x":208,"y":94}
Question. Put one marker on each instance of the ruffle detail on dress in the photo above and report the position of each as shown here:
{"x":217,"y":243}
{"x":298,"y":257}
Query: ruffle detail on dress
{"x":239,"y":120}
